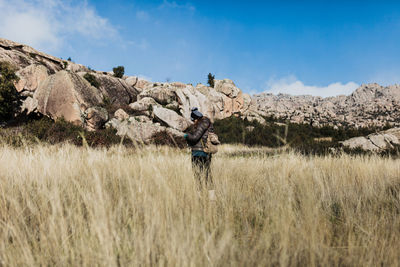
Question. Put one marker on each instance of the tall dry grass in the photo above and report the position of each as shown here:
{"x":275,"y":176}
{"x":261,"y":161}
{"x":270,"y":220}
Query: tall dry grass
{"x":62,"y":205}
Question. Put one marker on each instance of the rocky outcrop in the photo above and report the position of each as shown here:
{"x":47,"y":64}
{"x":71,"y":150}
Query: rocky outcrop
{"x":143,"y":106}
{"x":369,"y":105}
{"x":22,"y":56}
{"x":121,"y":115}
{"x":138,"y":83}
{"x":95,"y":118}
{"x":140,"y":131}
{"x":375,"y":142}
{"x":116,"y":90}
{"x":29,"y":105}
{"x":66,"y":95}
{"x":161,"y":93}
{"x":227,"y":87}
{"x":30,"y":77}
{"x":170,"y":118}
{"x":56,"y":88}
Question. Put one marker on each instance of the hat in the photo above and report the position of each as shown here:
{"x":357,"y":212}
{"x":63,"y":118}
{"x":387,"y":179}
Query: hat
{"x":196,"y":114}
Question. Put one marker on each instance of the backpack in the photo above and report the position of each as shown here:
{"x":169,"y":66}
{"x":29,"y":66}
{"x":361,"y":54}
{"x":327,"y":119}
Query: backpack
{"x":211,"y":146}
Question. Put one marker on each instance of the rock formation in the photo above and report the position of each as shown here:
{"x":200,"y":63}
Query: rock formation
{"x":57,"y":88}
{"x":369,"y":105}
{"x":375,"y":142}
{"x":139,"y":108}
{"x":66,"y":94}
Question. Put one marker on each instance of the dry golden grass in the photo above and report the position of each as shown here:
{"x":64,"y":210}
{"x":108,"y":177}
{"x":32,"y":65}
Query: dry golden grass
{"x":62,"y":205}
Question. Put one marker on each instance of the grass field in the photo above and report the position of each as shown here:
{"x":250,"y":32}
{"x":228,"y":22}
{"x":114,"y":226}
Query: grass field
{"x":63,"y":205}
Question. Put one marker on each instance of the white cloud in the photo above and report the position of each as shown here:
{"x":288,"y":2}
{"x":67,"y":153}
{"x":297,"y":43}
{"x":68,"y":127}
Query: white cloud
{"x":46,"y":24}
{"x":291,"y":85}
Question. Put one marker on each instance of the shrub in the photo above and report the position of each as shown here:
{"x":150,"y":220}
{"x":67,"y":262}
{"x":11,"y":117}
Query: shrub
{"x":92,"y":80}
{"x":53,"y":132}
{"x":10,"y":100}
{"x":105,"y":137}
{"x":165,"y":138}
{"x":119,"y":71}
{"x":210,"y":79}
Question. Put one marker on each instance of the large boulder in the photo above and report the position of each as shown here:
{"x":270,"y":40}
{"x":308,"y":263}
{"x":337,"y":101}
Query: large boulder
{"x":116,"y":90}
{"x":188,"y":98}
{"x":224,"y":100}
{"x":95,"y":118}
{"x":121,"y":115}
{"x":232,"y":105}
{"x":360,"y":142}
{"x":375,"y":142}
{"x":227,"y":87}
{"x":66,"y":95}
{"x":138,"y":83}
{"x":29,"y":105}
{"x":162,"y":93}
{"x":170,"y":118}
{"x":30,"y":77}
{"x":143,"y":105}
{"x":139,"y":131}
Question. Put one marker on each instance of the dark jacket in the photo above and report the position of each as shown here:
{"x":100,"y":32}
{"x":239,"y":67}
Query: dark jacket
{"x":199,"y":132}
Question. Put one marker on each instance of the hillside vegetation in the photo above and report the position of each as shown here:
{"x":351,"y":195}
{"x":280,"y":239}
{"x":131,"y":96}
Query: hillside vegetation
{"x":65,"y":205}
{"x":304,"y":138}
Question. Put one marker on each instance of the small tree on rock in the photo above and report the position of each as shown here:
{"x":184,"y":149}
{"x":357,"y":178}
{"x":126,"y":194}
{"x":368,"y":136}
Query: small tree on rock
{"x":10,"y":100}
{"x":119,"y":71}
{"x":211,"y":80}
{"x":92,"y":80}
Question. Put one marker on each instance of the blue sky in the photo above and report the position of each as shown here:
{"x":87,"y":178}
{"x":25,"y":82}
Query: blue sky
{"x":313,"y":47}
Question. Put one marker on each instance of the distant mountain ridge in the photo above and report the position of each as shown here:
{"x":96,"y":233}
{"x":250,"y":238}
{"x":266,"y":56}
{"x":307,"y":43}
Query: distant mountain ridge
{"x":369,"y":105}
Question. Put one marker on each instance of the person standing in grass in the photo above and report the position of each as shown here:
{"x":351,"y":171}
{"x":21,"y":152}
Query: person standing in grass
{"x":196,"y":138}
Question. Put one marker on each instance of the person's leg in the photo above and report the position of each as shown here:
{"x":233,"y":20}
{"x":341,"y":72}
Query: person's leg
{"x":202,"y":172}
{"x":197,"y":167}
{"x":201,"y":169}
{"x":209,"y":179}
{"x":208,"y":174}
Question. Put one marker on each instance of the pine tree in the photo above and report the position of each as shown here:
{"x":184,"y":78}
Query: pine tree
{"x":211,"y":80}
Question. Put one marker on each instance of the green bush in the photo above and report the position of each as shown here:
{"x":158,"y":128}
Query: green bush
{"x":55,"y":132}
{"x":210,"y":80}
{"x":92,"y":80}
{"x":105,"y":138}
{"x":10,"y":100}
{"x":164,"y":138}
{"x":60,"y":131}
{"x":112,"y":106}
{"x":119,"y":71}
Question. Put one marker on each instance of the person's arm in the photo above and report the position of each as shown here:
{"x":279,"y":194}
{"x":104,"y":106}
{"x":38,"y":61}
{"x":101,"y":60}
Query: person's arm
{"x":198,"y":132}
